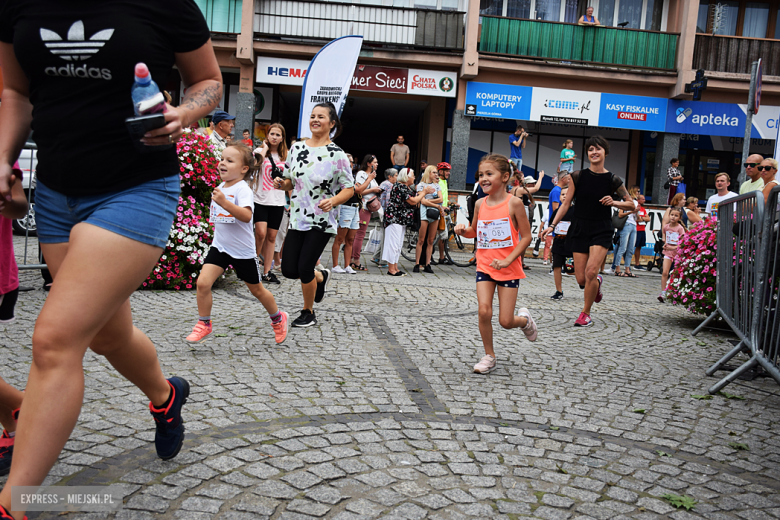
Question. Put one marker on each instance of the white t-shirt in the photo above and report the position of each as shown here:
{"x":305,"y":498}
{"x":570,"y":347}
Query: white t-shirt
{"x":632,"y":217}
{"x":265,"y":194}
{"x":232,"y":236}
{"x":714,"y":201}
{"x":360,"y":178}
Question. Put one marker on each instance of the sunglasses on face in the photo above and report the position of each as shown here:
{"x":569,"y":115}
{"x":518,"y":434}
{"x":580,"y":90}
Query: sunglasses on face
{"x":750,"y":164}
{"x":765,"y":168}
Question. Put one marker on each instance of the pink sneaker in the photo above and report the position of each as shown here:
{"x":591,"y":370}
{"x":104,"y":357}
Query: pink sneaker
{"x":280,"y":329}
{"x":530,"y":329}
{"x":583,"y":321}
{"x":199,"y":332}
{"x":486,"y":365}
{"x":599,"y":295}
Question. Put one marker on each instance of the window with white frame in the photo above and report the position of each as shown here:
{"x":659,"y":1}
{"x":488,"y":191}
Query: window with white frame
{"x":550,"y":10}
{"x":640,"y":14}
{"x":447,"y":5}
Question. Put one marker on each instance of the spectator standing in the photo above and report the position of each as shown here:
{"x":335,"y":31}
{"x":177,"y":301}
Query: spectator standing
{"x":722,"y":183}
{"x":444,"y":170}
{"x":101,"y":234}
{"x":318,"y":175}
{"x":678,"y":201}
{"x":768,"y":169}
{"x":675,"y":177}
{"x":399,"y":213}
{"x":365,"y":185}
{"x":754,"y":182}
{"x":625,"y":249}
{"x":391,"y":177}
{"x":567,"y":157}
{"x":269,"y":202}
{"x":517,"y":142}
{"x":691,"y":209}
{"x":428,"y":222}
{"x":247,"y":138}
{"x":224,"y":124}
{"x":642,"y":218}
{"x":399,"y":154}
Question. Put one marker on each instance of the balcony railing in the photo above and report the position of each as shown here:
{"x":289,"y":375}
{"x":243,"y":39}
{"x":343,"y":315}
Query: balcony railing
{"x":222,"y":16}
{"x":604,"y":46}
{"x":735,"y":54}
{"x":382,"y":25}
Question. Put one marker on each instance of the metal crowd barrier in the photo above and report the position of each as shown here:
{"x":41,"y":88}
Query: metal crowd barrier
{"x":739,"y":227}
{"x":30,"y":217}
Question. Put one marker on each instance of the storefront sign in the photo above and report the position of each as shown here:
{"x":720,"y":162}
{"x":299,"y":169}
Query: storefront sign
{"x":494,"y":100}
{"x":282,"y":71}
{"x":724,"y":119}
{"x":633,"y":112}
{"x":571,"y":107}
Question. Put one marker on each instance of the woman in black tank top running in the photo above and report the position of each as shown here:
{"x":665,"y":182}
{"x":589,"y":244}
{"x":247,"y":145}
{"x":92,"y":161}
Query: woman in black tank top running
{"x":590,"y":233}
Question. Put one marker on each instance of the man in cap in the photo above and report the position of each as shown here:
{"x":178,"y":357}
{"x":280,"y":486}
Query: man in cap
{"x":223,"y":127}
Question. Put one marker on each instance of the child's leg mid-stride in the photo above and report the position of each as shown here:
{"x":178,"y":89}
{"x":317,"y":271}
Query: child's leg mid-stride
{"x":507,"y":299}
{"x":279,"y":319}
{"x":665,"y":278}
{"x":208,"y":275}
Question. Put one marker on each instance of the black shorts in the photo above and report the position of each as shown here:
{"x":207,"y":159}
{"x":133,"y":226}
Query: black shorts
{"x":558,"y":261}
{"x":586,"y":233}
{"x":559,"y":247}
{"x":271,"y":214}
{"x":247,"y":269}
{"x":641,"y":239}
{"x":484,"y":277}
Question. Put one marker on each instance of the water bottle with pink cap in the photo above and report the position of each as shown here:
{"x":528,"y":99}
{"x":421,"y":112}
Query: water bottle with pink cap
{"x":147,"y":98}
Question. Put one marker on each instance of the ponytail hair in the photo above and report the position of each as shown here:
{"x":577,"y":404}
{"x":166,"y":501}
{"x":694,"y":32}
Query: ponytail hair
{"x":247,"y":159}
{"x":567,"y":141}
{"x":281,"y":149}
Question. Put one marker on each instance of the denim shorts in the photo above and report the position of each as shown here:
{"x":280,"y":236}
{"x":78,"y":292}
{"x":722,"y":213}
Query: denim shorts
{"x":349,"y":217}
{"x":424,"y":213}
{"x":143,"y":213}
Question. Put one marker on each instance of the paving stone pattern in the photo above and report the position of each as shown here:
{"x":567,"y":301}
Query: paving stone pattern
{"x":375,"y":412}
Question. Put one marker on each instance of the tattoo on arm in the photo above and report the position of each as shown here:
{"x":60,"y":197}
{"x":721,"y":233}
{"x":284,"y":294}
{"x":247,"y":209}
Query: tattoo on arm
{"x":207,"y":96}
{"x":621,"y":191}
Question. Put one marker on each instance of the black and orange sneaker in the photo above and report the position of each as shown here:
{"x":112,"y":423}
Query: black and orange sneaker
{"x":5,"y":515}
{"x":7,"y":448}
{"x":170,"y":426}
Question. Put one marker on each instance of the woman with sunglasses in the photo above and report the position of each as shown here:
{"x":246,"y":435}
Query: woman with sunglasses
{"x":768,"y":170}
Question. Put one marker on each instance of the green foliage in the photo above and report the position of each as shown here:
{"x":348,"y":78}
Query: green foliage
{"x":680,"y":501}
{"x":739,"y":446}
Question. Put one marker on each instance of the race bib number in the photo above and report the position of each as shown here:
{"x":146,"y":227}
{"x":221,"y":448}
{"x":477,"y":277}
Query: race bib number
{"x":494,"y":234}
{"x":219,"y":215}
{"x":562,"y":228}
{"x":672,"y":238}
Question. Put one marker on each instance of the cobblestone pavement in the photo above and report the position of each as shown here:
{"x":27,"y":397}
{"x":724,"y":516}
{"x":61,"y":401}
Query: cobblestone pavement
{"x":375,"y":412}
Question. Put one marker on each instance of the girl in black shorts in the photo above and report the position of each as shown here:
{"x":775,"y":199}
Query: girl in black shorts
{"x":590,"y":234}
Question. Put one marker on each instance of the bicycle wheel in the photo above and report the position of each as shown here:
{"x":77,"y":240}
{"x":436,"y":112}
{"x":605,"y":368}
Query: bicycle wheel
{"x":460,"y":250}
{"x":409,"y":248}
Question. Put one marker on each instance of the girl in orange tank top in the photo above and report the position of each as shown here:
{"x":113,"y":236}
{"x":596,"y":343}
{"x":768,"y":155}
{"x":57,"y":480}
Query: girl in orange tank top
{"x":503,"y":233}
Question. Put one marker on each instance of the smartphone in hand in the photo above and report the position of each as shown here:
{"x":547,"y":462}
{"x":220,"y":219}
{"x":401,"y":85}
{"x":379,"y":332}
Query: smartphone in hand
{"x":139,"y":125}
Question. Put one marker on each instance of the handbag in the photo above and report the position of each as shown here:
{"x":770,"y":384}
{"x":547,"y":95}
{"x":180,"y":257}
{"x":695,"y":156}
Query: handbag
{"x":681,"y":188}
{"x":373,"y":205}
{"x":432,"y":213}
{"x":618,"y":222}
{"x":667,"y":184}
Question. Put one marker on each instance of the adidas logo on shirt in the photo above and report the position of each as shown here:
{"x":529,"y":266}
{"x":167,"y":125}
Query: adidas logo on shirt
{"x":76,"y":48}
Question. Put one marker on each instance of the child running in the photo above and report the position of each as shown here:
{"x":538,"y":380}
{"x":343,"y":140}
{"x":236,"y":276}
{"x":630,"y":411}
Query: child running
{"x":671,"y":233}
{"x":234,"y":241}
{"x":559,"y":250}
{"x":503,"y":233}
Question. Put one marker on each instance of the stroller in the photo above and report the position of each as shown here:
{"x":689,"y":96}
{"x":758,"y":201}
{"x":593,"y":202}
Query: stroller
{"x":658,"y":253}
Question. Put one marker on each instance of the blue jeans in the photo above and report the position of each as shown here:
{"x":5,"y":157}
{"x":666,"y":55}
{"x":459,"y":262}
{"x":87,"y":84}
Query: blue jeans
{"x":626,"y":246}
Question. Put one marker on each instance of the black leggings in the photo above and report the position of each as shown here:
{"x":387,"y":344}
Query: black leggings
{"x":302,"y":249}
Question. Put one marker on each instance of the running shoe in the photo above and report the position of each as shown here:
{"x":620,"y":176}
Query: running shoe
{"x":306,"y":319}
{"x":599,"y":295}
{"x":349,"y":270}
{"x":5,"y":515}
{"x":530,"y":329}
{"x":661,"y":297}
{"x":552,"y":272}
{"x":544,"y":262}
{"x":280,"y":329}
{"x":318,"y":267}
{"x":416,"y":268}
{"x":199,"y":332}
{"x":427,"y":269}
{"x":486,"y":365}
{"x":170,"y":427}
{"x":337,"y":269}
{"x":6,"y":453}
{"x":583,"y":321}
{"x":557,"y":296}
{"x":433,"y":262}
{"x":322,"y":286}
{"x":608,"y":270}
{"x":640,"y":268}
{"x":375,"y":261}
{"x":270,"y":277}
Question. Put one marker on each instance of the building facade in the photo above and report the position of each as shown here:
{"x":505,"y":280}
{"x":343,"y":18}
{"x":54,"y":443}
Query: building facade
{"x":510,"y":62}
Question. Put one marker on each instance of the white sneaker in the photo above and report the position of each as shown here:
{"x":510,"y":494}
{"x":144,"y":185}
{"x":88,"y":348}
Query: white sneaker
{"x":609,"y":270}
{"x":530,"y":329}
{"x":338,"y":269}
{"x":349,"y":270}
{"x":486,"y":365}
{"x":544,"y":262}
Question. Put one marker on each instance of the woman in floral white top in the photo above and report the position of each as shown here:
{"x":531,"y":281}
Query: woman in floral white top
{"x":316,"y":170}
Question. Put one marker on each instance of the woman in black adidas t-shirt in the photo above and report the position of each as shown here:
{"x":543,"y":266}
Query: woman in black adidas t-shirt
{"x":103,"y":209}
{"x":590,"y":234}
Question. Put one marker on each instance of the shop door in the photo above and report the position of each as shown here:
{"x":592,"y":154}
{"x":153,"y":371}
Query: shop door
{"x":705,"y":164}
